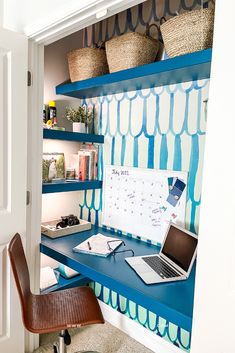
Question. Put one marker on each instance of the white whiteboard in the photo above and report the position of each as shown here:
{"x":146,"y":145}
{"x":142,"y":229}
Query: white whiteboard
{"x":143,"y":201}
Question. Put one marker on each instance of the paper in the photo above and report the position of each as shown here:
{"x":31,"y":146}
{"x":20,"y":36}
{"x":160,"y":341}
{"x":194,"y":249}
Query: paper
{"x":99,"y":245}
{"x":47,"y":277}
{"x":143,"y":201}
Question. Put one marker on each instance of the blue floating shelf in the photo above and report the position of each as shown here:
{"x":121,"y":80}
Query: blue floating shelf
{"x":48,"y":188}
{"x":189,"y":67}
{"x":65,"y":283}
{"x":72,"y":136}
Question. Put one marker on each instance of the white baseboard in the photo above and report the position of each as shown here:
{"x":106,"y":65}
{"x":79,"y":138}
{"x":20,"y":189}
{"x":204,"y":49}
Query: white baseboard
{"x":136,"y":331}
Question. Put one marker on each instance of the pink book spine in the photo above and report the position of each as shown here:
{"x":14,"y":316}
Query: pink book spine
{"x":82,"y":167}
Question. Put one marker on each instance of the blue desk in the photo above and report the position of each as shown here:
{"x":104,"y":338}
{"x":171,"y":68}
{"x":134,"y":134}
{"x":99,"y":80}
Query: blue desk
{"x":172,"y":301}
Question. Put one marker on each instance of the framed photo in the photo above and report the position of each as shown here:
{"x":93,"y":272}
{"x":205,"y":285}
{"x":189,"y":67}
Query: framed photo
{"x":53,"y":166}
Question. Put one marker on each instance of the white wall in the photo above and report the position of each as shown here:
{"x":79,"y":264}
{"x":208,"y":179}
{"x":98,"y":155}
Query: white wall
{"x":214,"y":310}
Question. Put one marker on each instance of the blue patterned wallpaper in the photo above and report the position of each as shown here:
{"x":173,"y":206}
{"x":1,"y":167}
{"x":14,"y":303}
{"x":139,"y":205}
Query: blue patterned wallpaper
{"x":161,"y":128}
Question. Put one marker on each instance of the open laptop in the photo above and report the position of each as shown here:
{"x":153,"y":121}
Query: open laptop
{"x":174,"y":261}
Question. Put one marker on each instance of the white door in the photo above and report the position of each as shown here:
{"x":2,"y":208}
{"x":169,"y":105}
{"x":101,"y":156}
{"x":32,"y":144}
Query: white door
{"x":13,"y":142}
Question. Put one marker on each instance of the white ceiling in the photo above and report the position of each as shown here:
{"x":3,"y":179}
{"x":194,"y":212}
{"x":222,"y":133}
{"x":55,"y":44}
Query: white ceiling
{"x":47,"y":21}
{"x":20,"y":14}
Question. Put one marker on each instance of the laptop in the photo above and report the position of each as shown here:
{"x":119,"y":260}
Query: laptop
{"x":174,"y":261}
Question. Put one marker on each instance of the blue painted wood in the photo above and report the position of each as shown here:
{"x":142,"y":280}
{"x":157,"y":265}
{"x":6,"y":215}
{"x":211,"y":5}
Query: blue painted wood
{"x":72,"y":136}
{"x":189,"y":67}
{"x":48,"y":188}
{"x":172,"y":301}
{"x":65,"y":283}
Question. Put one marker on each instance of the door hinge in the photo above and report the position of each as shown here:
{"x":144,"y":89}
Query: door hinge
{"x":29,"y":79}
{"x":27,"y":197}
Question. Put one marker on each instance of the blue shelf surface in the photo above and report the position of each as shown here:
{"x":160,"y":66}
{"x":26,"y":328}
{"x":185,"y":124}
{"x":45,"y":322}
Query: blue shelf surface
{"x":172,"y":301}
{"x":48,"y":188}
{"x":72,"y":136}
{"x":65,"y":283}
{"x":189,"y":67}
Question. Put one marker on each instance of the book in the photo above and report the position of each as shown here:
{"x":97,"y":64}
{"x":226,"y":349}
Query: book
{"x":88,"y":162}
{"x":82,"y":167}
{"x":99,"y":245}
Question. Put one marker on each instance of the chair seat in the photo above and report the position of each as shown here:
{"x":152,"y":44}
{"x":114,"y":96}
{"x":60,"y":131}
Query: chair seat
{"x":62,"y":310}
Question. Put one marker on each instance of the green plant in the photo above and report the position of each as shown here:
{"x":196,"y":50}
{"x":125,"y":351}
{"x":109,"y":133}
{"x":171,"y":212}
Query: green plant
{"x":80,"y":115}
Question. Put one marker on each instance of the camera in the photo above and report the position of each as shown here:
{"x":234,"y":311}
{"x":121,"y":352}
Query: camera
{"x":68,"y":221}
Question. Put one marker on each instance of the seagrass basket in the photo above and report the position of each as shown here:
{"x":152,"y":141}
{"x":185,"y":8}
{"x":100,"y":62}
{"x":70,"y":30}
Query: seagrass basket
{"x":86,"y":63}
{"x":192,"y":31}
{"x":131,"y":50}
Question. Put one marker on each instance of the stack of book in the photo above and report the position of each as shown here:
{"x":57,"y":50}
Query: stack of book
{"x":88,"y":163}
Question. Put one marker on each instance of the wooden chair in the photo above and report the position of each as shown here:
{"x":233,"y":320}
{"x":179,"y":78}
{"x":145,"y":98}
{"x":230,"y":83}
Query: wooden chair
{"x":57,"y":311}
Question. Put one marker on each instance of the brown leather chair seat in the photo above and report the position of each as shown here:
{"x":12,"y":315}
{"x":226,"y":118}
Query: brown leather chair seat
{"x":57,"y":311}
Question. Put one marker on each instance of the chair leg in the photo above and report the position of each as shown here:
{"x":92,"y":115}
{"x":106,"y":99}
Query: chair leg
{"x":64,"y":341}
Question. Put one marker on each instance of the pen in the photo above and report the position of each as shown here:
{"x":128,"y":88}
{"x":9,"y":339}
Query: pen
{"x":89,"y":245}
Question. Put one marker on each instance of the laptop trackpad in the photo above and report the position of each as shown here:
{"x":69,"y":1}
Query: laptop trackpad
{"x":142,"y":268}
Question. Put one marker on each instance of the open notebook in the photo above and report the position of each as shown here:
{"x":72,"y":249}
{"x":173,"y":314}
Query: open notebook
{"x":99,"y":245}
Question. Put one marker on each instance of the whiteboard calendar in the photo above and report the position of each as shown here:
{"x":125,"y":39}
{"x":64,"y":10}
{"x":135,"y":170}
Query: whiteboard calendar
{"x":143,"y":201}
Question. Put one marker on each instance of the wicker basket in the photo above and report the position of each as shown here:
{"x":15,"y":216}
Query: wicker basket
{"x":131,"y":50}
{"x":86,"y":63}
{"x":189,"y":32}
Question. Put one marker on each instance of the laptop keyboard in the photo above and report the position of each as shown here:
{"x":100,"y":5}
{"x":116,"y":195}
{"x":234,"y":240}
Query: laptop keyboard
{"x":160,"y":267}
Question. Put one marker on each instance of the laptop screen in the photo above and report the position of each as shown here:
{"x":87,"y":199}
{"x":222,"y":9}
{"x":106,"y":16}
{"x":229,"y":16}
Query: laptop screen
{"x":179,"y":247}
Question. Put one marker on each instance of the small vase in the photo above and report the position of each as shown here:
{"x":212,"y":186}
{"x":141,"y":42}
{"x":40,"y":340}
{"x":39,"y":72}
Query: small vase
{"x":79,"y":127}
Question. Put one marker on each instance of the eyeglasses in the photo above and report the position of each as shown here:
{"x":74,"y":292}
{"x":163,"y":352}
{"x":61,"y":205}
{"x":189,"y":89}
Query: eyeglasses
{"x":114,"y":251}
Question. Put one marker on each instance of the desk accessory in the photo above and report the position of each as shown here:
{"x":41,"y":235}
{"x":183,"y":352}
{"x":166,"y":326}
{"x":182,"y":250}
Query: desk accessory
{"x":49,"y":228}
{"x":174,"y":261}
{"x":143,"y":201}
{"x":98,"y":245}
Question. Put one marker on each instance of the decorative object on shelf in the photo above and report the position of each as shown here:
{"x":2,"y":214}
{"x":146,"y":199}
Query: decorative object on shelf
{"x":133,"y":49}
{"x":67,"y":221}
{"x":53,"y":167}
{"x":52,"y":113}
{"x":80,"y":118}
{"x":86,"y":63}
{"x":74,"y":164}
{"x":50,"y":228}
{"x":192,"y":31}
{"x":50,"y":117}
{"x":70,"y":174}
{"x":79,"y":127}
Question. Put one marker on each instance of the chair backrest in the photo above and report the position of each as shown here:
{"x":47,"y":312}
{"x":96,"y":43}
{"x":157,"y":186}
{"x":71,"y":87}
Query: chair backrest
{"x":21,"y":273}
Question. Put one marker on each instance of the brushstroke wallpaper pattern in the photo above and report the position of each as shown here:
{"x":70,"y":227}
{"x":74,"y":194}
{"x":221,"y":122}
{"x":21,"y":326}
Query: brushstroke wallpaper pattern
{"x":161,"y":128}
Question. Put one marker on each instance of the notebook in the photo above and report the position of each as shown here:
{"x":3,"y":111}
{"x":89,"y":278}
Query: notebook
{"x":47,"y":277}
{"x":99,"y":245}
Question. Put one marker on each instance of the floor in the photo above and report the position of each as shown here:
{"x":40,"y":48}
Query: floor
{"x":102,"y":338}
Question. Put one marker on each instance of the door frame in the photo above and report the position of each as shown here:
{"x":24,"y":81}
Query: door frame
{"x":34,"y":172}
{"x":40,"y":34}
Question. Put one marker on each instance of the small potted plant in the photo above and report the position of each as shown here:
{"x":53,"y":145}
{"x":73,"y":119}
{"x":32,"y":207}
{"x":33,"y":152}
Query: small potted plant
{"x":80,"y":117}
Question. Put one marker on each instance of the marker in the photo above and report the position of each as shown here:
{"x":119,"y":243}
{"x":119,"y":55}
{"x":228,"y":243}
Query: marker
{"x":89,"y":245}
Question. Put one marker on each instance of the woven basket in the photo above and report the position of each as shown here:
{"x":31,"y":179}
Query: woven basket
{"x":86,"y":63}
{"x":189,"y":32}
{"x":131,"y":50}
